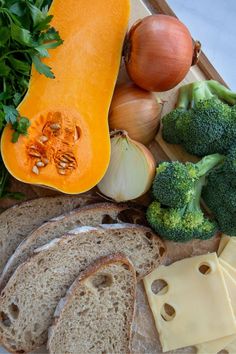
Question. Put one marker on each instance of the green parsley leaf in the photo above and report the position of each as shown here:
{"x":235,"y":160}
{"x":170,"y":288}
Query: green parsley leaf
{"x":42,"y":68}
{"x":4,"y":68}
{"x":40,"y":3}
{"x":19,"y":65}
{"x":17,"y":8}
{"x":2,"y":118}
{"x":22,"y":126}
{"x":45,"y":24}
{"x":3,"y":96}
{"x":15,"y":137}
{"x":40,"y":18}
{"x":21,"y":35}
{"x":42,"y":51}
{"x":17,"y":98}
{"x":50,"y":35}
{"x":11,"y":114}
{"x":4,"y":36}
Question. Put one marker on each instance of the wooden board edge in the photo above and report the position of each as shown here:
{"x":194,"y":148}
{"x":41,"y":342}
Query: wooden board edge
{"x":161,"y":6}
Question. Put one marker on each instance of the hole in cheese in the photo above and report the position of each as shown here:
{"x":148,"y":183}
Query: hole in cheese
{"x":159,"y":286}
{"x":168,"y":312}
{"x":205,"y":268}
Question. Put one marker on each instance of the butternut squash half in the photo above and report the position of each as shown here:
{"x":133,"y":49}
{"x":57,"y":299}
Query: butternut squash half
{"x":68,"y":145}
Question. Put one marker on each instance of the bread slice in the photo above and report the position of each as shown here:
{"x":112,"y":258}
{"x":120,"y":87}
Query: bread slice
{"x":96,"y":315}
{"x":18,"y":221}
{"x":29,"y":299}
{"x":93,"y":215}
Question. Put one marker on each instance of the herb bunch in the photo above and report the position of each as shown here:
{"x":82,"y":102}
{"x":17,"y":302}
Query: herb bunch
{"x":25,"y":38}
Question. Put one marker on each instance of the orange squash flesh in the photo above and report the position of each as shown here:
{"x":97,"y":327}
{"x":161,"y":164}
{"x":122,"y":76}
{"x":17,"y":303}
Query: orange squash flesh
{"x":68,"y":145}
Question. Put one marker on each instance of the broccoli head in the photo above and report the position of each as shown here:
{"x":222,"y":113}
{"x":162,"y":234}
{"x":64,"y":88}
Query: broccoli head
{"x":204,"y":121}
{"x":176,"y":213}
{"x":219,"y":194}
{"x":175,"y":182}
{"x":180,"y":224}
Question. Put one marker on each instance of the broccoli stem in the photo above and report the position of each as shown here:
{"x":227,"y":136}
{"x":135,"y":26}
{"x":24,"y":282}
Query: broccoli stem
{"x":209,"y":162}
{"x":194,"y":205}
{"x":222,"y":92}
{"x":205,"y":165}
{"x":184,"y":97}
{"x":191,"y":94}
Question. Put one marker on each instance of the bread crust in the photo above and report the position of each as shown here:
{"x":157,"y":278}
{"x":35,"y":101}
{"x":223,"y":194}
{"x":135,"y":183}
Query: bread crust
{"x":30,"y":214}
{"x":108,"y":209}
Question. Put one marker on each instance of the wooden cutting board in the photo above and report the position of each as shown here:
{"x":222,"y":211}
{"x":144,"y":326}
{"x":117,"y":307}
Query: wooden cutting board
{"x":160,"y":149}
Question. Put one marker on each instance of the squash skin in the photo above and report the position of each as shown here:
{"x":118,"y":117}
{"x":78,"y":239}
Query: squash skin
{"x":86,"y":67}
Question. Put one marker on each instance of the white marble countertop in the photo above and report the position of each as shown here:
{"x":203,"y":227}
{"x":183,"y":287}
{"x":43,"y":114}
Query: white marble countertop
{"x":213,"y":23}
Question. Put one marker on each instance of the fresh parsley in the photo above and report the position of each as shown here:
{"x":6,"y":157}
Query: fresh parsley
{"x":25,"y":38}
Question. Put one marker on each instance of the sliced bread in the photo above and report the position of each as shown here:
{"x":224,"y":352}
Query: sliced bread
{"x":93,"y":215}
{"x":29,"y":299}
{"x":96,"y":315}
{"x":18,"y":221}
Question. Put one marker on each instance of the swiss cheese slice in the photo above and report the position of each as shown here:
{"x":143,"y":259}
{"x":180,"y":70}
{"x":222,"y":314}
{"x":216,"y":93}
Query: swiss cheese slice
{"x":231,"y":287}
{"x":215,"y":346}
{"x":229,"y":342}
{"x":228,"y":268}
{"x":200,"y":306}
{"x":229,"y":252}
{"x":231,"y":348}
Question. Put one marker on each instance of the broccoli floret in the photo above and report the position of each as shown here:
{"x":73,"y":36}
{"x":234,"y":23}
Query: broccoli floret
{"x":181,"y":224}
{"x":219,"y":194}
{"x":176,"y":213}
{"x":169,"y":133}
{"x":204,"y":121}
{"x":175,"y":182}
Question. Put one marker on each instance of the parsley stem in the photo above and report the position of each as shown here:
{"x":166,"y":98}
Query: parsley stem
{"x":6,"y":12}
{"x":14,"y":51}
{"x":4,"y":88}
{"x":4,"y":84}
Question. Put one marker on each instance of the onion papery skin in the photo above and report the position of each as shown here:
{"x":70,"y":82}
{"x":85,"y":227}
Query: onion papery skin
{"x":158,"y":52}
{"x":137,"y":111}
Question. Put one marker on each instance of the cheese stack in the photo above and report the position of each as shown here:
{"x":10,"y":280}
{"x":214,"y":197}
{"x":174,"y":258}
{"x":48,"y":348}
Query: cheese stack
{"x":194,"y":301}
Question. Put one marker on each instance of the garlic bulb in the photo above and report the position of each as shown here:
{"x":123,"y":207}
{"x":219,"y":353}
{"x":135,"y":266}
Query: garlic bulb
{"x":135,"y":110}
{"x":131,"y":169}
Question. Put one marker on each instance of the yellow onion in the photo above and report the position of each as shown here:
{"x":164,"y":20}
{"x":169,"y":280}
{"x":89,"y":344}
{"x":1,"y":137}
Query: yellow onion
{"x":135,"y":110}
{"x":131,"y":169}
{"x":159,"y":52}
